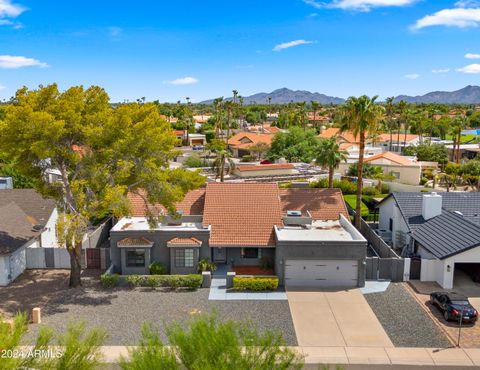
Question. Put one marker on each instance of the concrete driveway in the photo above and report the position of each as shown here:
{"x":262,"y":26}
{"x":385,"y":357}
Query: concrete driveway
{"x":335,"y":319}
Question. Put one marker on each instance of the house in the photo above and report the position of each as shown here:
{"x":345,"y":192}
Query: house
{"x":193,"y":139}
{"x":405,"y":170}
{"x":304,"y":233}
{"x":240,"y":142}
{"x":442,"y":229}
{"x":27,"y":220}
{"x":266,"y":129}
{"x":265,"y":170}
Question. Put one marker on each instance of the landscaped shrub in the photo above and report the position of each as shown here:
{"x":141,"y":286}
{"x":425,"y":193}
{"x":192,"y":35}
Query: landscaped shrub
{"x":345,"y":186}
{"x":134,"y":280}
{"x":423,"y":181}
{"x":370,"y":190}
{"x":206,"y":265}
{"x":256,"y":283}
{"x":157,"y":268}
{"x":385,"y":189}
{"x":109,"y":280}
{"x":192,"y":281}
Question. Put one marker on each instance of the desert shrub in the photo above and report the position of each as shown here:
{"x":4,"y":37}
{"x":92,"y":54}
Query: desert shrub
{"x":194,"y":161}
{"x":192,"y":281}
{"x":206,"y":265}
{"x":109,"y":280}
{"x":255,"y":283}
{"x":134,"y":280}
{"x":370,"y":190}
{"x":157,"y":268}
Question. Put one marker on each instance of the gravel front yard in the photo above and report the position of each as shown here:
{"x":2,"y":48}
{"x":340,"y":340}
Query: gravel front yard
{"x":122,"y":311}
{"x":405,"y":322}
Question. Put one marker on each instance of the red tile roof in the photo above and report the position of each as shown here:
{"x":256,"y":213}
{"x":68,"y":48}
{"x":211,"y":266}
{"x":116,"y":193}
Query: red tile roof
{"x":242,"y":214}
{"x":323,"y":204}
{"x":192,"y":204}
{"x":185,"y":241}
{"x":128,"y":242}
{"x":392,"y":157}
{"x":246,"y":139}
{"x":261,"y":167}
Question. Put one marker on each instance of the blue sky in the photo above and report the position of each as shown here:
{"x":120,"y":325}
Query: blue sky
{"x":169,"y":50}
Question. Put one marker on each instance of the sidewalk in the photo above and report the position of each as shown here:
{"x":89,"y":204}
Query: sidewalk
{"x":364,"y":355}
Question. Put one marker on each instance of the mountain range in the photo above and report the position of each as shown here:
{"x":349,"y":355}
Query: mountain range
{"x":467,"y":95}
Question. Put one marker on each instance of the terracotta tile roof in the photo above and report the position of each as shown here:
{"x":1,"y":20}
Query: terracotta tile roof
{"x":185,"y":241}
{"x":261,"y":167}
{"x":392,"y":157}
{"x":192,"y":204}
{"x":179,"y":132}
{"x":345,"y":146}
{"x":348,"y":137}
{"x":323,"y":204}
{"x":246,"y":139}
{"x":242,"y":214}
{"x":128,"y":242}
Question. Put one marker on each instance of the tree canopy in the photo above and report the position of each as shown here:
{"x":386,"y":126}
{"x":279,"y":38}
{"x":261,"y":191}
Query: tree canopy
{"x":295,"y":146}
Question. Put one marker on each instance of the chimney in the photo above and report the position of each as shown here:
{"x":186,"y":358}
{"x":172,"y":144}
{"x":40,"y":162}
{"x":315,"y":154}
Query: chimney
{"x":431,"y":205}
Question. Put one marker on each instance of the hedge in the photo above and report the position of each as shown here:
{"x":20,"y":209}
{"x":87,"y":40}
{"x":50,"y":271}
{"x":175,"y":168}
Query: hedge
{"x":255,"y":283}
{"x":192,"y":281}
{"x":109,"y":280}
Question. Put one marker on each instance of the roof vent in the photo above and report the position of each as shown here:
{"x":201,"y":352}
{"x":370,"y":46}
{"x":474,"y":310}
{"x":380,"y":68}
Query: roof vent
{"x":294,"y":213}
{"x":37,"y":228}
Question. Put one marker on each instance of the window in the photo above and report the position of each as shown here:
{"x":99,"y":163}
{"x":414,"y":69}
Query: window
{"x":251,"y":253}
{"x":184,"y":257}
{"x":136,"y":258}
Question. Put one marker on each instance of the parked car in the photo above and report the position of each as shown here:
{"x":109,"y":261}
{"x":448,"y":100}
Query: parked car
{"x":452,"y":305}
{"x":198,"y":147}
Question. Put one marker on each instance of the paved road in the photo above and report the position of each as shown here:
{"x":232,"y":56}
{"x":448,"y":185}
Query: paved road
{"x":335,"y":319}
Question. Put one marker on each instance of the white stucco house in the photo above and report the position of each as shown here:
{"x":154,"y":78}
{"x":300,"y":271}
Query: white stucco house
{"x":443,"y":230}
{"x":27,"y":220}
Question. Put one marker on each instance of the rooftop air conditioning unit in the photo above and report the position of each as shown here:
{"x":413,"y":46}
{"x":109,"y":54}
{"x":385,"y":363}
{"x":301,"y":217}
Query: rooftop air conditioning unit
{"x":294,"y":213}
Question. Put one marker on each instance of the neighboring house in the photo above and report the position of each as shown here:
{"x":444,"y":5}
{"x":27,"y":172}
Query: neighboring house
{"x":240,"y":143}
{"x":467,"y":151}
{"x":26,"y":220}
{"x":304,"y":233}
{"x":265,"y":170}
{"x":405,"y":169}
{"x":193,"y":139}
{"x":442,"y":229}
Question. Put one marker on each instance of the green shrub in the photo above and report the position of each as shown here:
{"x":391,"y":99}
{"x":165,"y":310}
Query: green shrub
{"x":370,"y":190}
{"x":255,"y":284}
{"x":109,"y":280}
{"x":247,"y":158}
{"x":385,"y":189}
{"x":195,"y":161}
{"x":423,"y":181}
{"x":134,"y":280}
{"x":157,"y":268}
{"x":206,"y":265}
{"x":345,"y":186}
{"x":192,"y":281}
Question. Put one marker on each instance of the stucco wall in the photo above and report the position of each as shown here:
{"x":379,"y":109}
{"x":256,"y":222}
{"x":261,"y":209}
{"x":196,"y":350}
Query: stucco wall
{"x":388,"y":209}
{"x":11,"y":266}
{"x":354,"y":250}
{"x":49,"y":236}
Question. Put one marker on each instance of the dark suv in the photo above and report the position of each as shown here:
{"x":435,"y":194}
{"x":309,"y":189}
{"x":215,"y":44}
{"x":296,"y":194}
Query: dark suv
{"x":453,"y":305}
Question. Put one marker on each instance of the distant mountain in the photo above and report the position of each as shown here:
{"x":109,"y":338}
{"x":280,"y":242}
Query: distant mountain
{"x":467,"y":95}
{"x":285,"y":96}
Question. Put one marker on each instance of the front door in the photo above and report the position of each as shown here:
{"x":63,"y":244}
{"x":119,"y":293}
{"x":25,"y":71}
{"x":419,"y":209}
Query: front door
{"x":219,"y":255}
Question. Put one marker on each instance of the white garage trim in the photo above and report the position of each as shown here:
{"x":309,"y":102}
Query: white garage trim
{"x":321,"y":273}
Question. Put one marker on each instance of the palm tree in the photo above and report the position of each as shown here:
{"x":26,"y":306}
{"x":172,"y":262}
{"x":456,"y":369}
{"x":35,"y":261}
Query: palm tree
{"x":315,"y":108}
{"x":457,"y":126}
{"x":390,"y":114}
{"x":223,"y":161}
{"x":330,"y":155}
{"x":229,"y":105}
{"x":401,"y":108}
{"x":217,"y":103}
{"x":362,"y":116}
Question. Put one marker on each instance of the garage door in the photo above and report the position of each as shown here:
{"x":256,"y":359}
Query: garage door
{"x":321,"y":273}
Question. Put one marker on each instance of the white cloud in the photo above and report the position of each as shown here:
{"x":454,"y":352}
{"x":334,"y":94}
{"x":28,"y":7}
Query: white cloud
{"x":441,"y":70}
{"x":412,"y":76}
{"x":290,"y":44}
{"x":467,"y":4}
{"x":358,"y":5}
{"x":470,"y":69}
{"x":472,"y":56}
{"x":13,"y":62}
{"x":458,"y":17}
{"x":9,"y":10}
{"x":183,"y":81}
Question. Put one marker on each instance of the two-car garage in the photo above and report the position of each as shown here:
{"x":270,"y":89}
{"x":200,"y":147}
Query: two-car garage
{"x":321,"y":273}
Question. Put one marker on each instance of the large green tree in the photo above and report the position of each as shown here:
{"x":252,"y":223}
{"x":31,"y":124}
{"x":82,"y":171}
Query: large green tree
{"x":102,"y":154}
{"x":363,"y":117}
{"x":296,"y":145}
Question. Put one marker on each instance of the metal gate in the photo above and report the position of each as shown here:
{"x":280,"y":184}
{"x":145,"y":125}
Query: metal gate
{"x":415,"y":268}
{"x":93,"y":258}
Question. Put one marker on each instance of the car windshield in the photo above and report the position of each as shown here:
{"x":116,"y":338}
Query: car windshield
{"x":460,"y":303}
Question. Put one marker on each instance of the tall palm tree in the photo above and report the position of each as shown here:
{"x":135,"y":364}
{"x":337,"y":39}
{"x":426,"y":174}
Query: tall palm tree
{"x":362,"y":116}
{"x":229,"y":105}
{"x":217,"y":103}
{"x":390,"y":114}
{"x":402,"y":106}
{"x":330,"y":155}
{"x":223,"y":163}
{"x":315,"y":108}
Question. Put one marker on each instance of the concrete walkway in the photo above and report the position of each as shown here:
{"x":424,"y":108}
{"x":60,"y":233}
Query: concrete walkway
{"x":218,"y":292}
{"x":363,"y":355}
{"x":335,"y":319}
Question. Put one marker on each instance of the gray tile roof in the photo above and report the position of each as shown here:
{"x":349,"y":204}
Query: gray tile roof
{"x":20,"y":210}
{"x":447,"y":234}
